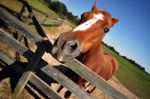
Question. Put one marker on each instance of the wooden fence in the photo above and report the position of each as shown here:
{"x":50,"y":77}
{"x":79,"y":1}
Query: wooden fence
{"x":35,"y":62}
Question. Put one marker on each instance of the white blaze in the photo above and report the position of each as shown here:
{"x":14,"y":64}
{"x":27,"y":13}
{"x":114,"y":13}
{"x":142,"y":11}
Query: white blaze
{"x":84,"y":26}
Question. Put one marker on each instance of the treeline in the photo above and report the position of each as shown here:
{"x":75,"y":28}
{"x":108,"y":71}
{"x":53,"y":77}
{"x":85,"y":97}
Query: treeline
{"x":136,"y":64}
{"x":61,"y":9}
{"x":130,"y":60}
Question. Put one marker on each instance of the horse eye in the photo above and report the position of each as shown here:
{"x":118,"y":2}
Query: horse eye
{"x":106,"y":30}
{"x":82,"y":16}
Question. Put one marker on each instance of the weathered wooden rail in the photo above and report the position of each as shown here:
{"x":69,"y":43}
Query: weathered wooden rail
{"x":35,"y":62}
{"x":9,"y":19}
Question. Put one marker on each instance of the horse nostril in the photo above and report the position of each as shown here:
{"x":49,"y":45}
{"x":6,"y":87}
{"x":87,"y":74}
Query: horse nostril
{"x":71,"y":48}
{"x":74,"y":46}
{"x":67,"y":51}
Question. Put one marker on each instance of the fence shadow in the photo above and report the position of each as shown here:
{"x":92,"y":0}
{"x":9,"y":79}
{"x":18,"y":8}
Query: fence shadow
{"x":8,"y":72}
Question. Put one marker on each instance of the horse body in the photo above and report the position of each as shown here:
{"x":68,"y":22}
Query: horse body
{"x":101,"y":63}
{"x":85,"y":43}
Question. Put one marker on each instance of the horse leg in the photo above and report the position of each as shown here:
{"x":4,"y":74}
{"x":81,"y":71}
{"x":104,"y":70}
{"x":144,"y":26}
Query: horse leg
{"x":60,"y":88}
{"x":67,"y":94}
{"x":86,"y":86}
{"x":81,"y":82}
{"x":90,"y":91}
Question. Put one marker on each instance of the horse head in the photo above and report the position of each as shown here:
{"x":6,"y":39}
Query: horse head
{"x":90,"y":31}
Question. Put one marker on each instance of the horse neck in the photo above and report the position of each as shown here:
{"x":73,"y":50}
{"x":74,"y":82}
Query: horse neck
{"x":97,"y":48}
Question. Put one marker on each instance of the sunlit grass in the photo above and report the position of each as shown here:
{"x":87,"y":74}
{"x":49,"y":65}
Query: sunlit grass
{"x":42,"y":7}
{"x":13,"y":4}
{"x":132,"y":77}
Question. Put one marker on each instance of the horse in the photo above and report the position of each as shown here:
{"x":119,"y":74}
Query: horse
{"x":84,"y":43}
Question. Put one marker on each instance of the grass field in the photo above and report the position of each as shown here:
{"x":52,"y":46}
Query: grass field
{"x":132,"y":77}
{"x":128,"y":74}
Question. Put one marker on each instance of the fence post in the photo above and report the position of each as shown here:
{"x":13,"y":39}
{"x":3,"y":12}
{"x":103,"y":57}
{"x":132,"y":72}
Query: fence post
{"x":42,"y":46}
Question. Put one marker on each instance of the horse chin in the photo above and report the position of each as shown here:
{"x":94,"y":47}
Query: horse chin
{"x":60,"y":55}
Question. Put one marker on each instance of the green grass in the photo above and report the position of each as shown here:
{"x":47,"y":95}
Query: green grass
{"x":132,"y":77}
{"x":42,"y":7}
{"x":14,"y":4}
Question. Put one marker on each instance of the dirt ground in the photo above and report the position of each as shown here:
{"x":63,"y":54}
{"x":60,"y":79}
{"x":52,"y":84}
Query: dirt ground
{"x":53,"y":33}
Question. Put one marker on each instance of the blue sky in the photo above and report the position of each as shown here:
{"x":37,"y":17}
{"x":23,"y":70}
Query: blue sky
{"x":131,"y":36}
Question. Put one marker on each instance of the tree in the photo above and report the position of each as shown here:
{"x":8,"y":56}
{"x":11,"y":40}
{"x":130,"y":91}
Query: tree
{"x":61,"y":9}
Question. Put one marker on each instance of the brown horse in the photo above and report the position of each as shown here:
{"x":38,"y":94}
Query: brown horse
{"x":85,"y":43}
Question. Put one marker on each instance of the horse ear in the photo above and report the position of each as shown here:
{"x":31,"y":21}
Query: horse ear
{"x":94,"y":6}
{"x":114,"y":21}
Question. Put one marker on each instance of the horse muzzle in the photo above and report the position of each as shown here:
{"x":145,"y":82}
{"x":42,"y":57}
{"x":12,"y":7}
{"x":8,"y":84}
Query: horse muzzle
{"x":66,"y":50}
